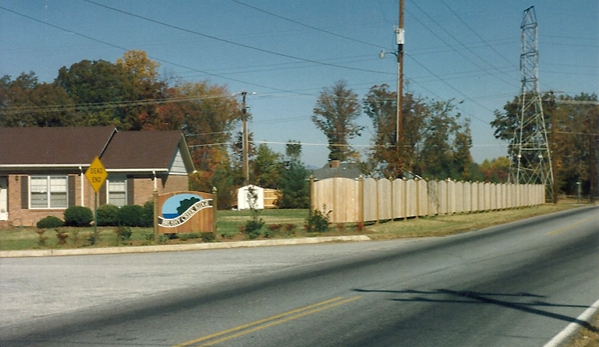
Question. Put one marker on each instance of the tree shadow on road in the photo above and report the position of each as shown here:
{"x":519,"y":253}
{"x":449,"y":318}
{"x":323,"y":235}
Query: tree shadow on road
{"x":497,"y":299}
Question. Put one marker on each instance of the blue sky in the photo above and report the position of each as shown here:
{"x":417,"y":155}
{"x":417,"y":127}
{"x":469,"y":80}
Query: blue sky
{"x":283,"y":53}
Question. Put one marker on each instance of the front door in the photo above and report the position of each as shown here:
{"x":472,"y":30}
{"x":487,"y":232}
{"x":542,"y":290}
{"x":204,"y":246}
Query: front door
{"x":3,"y":198}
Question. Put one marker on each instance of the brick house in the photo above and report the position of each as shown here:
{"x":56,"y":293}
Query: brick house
{"x":42,"y":170}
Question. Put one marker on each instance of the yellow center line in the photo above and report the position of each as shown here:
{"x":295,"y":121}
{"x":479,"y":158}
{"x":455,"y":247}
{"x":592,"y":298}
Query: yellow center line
{"x":276,"y":319}
{"x":280,"y":321}
{"x":561,"y":230}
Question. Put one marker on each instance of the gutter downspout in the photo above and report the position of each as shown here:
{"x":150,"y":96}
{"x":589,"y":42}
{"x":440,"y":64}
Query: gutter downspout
{"x":155,"y":183}
{"x":82,"y":185}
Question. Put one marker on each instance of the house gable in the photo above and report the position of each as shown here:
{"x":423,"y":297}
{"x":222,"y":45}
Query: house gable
{"x":147,"y":151}
{"x":177,"y":166}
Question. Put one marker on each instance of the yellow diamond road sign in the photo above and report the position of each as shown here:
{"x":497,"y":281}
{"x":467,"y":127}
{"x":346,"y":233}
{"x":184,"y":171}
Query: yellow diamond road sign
{"x":96,"y":174}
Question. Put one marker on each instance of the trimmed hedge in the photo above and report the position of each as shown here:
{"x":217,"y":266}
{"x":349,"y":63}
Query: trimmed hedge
{"x":49,"y":222}
{"x":147,"y":219}
{"x":108,"y":215}
{"x":131,"y":215}
{"x":78,"y":216}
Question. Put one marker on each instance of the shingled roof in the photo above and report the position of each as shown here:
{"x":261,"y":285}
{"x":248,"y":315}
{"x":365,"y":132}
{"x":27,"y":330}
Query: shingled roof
{"x":52,"y":146}
{"x":70,"y":147}
{"x":142,"y":150}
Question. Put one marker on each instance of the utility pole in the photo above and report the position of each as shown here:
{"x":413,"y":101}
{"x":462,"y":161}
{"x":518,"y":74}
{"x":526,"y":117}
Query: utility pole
{"x":399,"y":35}
{"x":245,"y":145}
{"x":399,"y":40}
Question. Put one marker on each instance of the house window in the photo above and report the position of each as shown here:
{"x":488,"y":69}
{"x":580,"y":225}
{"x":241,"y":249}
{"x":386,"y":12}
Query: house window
{"x":48,"y":192}
{"x":117,"y":191}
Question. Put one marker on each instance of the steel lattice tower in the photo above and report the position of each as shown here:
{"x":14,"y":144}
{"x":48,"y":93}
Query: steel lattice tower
{"x":531,"y":156}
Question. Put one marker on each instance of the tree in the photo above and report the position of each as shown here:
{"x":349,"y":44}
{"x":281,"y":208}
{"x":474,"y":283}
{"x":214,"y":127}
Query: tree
{"x":568,"y":121}
{"x":335,"y":113}
{"x":446,"y":143}
{"x":380,"y":106}
{"x":265,"y":168}
{"x":26,"y":102}
{"x":139,"y":65}
{"x":295,"y":190}
{"x":496,"y":170}
{"x":99,"y":85}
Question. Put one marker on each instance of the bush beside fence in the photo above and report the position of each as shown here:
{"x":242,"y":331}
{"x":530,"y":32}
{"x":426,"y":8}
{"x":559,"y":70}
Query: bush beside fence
{"x":368,"y":199}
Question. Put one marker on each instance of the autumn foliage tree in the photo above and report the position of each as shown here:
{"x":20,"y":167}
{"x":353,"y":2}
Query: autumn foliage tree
{"x":572,"y":130}
{"x":335,"y":114}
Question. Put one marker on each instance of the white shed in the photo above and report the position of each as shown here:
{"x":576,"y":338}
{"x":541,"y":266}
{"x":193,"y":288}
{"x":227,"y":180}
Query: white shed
{"x":245,"y":199}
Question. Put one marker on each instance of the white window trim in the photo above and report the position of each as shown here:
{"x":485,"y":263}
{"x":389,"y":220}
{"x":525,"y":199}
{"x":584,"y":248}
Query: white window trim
{"x":49,"y":192}
{"x":116,"y":178}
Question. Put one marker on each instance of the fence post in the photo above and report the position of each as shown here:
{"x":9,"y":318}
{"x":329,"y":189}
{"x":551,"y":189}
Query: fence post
{"x":311,"y":196}
{"x":214,"y":209}
{"x":361,"y":199}
{"x":376,"y":198}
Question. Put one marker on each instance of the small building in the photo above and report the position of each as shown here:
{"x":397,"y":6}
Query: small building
{"x":42,"y":170}
{"x":250,"y":197}
{"x":335,"y":168}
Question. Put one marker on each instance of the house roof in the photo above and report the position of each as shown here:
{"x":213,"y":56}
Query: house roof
{"x":67,"y":147}
{"x":52,"y":146}
{"x":144,"y":150}
{"x":346,"y":170}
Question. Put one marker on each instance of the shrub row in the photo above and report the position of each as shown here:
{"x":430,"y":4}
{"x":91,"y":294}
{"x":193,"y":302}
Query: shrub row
{"x":107,"y":215}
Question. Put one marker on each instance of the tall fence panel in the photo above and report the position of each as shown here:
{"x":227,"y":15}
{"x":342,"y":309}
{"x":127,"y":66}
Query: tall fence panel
{"x":422,"y":188}
{"x":442,"y":192}
{"x":384,"y":198}
{"x":411,"y":198}
{"x":338,"y":195}
{"x":459,"y":197}
{"x":467,"y":186}
{"x":370,"y":200}
{"x":433,"y":198}
{"x":399,"y":198}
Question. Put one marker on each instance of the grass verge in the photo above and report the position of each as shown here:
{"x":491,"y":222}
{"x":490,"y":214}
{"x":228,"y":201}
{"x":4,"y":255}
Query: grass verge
{"x":278,"y":224}
{"x":459,"y":223}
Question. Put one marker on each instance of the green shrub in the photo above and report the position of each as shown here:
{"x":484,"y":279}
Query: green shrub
{"x":253,"y":227}
{"x":49,"y":222}
{"x":208,"y":237}
{"x":78,"y":216}
{"x":62,"y":236}
{"x":190,"y":236}
{"x":131,"y":215}
{"x":318,"y":221}
{"x":147,"y":219}
{"x":42,"y":238}
{"x":107,"y":215}
{"x":123,"y":233}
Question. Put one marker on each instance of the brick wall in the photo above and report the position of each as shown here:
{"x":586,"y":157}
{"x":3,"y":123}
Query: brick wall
{"x":143,"y":189}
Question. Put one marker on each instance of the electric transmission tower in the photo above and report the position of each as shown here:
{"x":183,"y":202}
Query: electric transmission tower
{"x":531,"y":156}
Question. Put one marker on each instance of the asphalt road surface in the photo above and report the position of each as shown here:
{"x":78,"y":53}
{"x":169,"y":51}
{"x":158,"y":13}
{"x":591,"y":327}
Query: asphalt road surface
{"x":514,"y":285}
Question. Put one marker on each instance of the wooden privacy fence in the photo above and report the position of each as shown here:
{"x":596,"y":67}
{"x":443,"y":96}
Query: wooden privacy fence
{"x":369,"y":199}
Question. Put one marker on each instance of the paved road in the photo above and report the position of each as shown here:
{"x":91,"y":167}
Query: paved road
{"x":514,"y":285}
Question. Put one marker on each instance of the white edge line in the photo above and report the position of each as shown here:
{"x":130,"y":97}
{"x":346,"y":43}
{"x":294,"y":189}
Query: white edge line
{"x":560,"y":338}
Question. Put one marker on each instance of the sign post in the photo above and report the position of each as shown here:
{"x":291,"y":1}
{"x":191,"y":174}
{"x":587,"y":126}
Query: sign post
{"x":96,"y":175}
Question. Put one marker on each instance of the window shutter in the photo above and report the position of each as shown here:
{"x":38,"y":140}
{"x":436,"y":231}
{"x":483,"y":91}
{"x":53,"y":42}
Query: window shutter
{"x":24,"y":192}
{"x":102,"y":194}
{"x":71,"y":183}
{"x":130,"y":191}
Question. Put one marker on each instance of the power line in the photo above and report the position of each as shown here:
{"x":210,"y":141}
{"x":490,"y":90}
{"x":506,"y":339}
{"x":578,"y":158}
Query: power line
{"x":461,"y":44}
{"x":304,"y":24}
{"x":233,"y":42}
{"x":477,"y":35}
